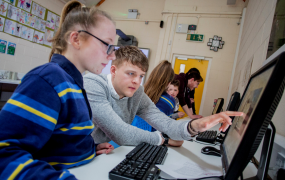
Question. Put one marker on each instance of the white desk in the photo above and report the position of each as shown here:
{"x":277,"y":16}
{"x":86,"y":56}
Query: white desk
{"x":100,"y":167}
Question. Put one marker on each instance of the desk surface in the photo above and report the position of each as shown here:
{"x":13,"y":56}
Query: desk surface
{"x":101,"y":165}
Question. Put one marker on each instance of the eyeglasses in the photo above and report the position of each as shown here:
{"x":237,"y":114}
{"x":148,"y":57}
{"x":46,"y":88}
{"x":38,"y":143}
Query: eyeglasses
{"x":110,"y":48}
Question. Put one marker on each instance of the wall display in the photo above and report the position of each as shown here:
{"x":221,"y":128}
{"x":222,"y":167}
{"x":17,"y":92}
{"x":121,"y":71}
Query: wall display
{"x":3,"y":46}
{"x":10,"y":27}
{"x":3,"y":8}
{"x":50,"y":20}
{"x":42,"y":25}
{"x":48,"y":36}
{"x":11,"y":1}
{"x":30,"y":20}
{"x":27,"y":33}
{"x":38,"y":37}
{"x":23,"y":16}
{"x":13,"y":12}
{"x":38,"y":10}
{"x":25,"y":4}
{"x":2,"y":20}
{"x":27,"y":19}
{"x":18,"y":30}
{"x":57,"y":21}
{"x":216,"y":43}
{"x":11,"y":48}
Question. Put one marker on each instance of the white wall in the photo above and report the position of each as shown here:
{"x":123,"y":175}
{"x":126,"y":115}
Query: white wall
{"x":254,"y":43}
{"x":28,"y":55}
{"x":215,"y":18}
{"x":146,"y":34}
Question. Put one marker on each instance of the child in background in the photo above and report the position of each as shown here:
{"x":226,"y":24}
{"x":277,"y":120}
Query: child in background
{"x":173,"y":91}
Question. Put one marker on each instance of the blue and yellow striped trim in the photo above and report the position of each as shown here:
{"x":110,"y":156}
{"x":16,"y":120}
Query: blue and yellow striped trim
{"x":18,"y":168}
{"x":31,"y":110}
{"x":65,"y":165}
{"x":167,"y":101}
{"x":83,"y":128}
{"x":67,"y":90}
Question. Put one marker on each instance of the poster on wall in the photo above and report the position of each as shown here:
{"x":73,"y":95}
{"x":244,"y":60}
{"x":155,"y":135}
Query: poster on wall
{"x":30,"y":34}
{"x":38,"y":10}
{"x":50,"y":20}
{"x":27,"y":33}
{"x":2,"y":20}
{"x":48,"y":36}
{"x":25,"y":4}
{"x":10,"y":27}
{"x":42,"y":25}
{"x":18,"y":30}
{"x":13,"y":12}
{"x":11,"y":48}
{"x":11,"y":1}
{"x":3,"y":8}
{"x":30,"y":20}
{"x":57,"y":21}
{"x":38,"y":37}
{"x":3,"y":46}
{"x":23,"y":16}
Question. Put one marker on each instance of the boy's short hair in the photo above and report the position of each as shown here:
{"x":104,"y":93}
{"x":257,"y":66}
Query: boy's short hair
{"x":196,"y":76}
{"x":175,"y":83}
{"x":131,"y":54}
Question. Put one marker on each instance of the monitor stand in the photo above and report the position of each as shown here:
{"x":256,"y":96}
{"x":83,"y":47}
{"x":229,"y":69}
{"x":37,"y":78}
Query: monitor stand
{"x":265,"y":154}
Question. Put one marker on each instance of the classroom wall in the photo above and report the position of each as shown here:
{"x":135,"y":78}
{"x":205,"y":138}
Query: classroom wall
{"x":146,"y":34}
{"x":212,"y":17}
{"x":28,"y":55}
{"x":253,"y":47}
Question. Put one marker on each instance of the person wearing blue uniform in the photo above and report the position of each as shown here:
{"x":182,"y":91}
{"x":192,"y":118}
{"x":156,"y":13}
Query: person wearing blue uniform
{"x":45,"y":127}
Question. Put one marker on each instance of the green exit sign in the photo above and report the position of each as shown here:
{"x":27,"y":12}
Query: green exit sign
{"x":195,"y":37}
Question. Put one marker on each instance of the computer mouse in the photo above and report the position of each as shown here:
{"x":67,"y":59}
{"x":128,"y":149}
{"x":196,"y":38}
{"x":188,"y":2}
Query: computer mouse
{"x":209,"y":150}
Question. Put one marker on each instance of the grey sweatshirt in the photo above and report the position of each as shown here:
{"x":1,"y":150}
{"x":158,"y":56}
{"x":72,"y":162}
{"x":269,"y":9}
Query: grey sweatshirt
{"x":113,"y":116}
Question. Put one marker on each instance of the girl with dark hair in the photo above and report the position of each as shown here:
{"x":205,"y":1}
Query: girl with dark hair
{"x":46,"y":125}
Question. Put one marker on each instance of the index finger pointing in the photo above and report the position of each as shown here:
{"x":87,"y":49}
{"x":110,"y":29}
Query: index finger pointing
{"x":233,"y":113}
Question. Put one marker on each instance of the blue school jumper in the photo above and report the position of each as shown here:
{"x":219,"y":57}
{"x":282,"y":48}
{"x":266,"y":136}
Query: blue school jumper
{"x":165,"y":104}
{"x":45,"y":127}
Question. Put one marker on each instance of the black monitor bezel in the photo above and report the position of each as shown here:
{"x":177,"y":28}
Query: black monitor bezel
{"x":220,"y":106}
{"x":260,"y":119}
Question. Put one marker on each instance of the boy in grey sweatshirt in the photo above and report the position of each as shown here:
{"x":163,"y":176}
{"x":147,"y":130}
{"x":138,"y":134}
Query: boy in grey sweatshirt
{"x":116,"y":98}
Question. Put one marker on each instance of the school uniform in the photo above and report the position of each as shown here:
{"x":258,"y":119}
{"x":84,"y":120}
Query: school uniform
{"x":45,"y":126}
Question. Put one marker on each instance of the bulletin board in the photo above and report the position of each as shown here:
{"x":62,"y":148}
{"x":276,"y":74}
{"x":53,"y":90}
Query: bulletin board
{"x":28,"y":20}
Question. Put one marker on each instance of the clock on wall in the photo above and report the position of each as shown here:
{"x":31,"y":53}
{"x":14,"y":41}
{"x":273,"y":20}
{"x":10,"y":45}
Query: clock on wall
{"x":216,"y":43}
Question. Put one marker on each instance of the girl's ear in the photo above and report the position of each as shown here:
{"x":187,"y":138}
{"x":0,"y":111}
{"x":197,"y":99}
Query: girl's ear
{"x":74,"y":40}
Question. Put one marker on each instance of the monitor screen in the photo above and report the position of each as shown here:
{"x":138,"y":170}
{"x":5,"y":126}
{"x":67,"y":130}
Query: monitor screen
{"x":259,"y":102}
{"x":247,"y":106}
{"x":106,"y":70}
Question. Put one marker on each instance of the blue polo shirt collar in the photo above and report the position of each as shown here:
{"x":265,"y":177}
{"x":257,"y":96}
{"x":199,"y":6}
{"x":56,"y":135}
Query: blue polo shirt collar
{"x":65,"y":64}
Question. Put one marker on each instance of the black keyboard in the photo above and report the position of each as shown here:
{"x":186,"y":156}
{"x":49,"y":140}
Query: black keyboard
{"x":207,"y":136}
{"x":140,"y":163}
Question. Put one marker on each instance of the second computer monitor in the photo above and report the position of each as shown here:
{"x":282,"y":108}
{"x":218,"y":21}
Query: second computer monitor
{"x":219,"y":106}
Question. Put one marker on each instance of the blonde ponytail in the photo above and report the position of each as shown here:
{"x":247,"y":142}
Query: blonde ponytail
{"x":74,"y":13}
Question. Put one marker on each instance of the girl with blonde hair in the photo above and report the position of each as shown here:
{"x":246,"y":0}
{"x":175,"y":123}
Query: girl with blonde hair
{"x":46,"y":125}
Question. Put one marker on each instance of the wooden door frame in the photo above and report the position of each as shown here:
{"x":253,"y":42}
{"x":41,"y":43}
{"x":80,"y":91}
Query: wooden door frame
{"x":207,"y":75}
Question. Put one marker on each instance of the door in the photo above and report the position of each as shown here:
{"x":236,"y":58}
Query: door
{"x":202,"y":66}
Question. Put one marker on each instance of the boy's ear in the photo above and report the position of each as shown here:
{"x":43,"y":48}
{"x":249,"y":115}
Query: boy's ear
{"x":113,"y":70}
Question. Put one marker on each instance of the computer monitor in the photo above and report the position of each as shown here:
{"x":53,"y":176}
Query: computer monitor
{"x":219,"y":106}
{"x":106,"y":70}
{"x":234,"y":102}
{"x":259,"y":102}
